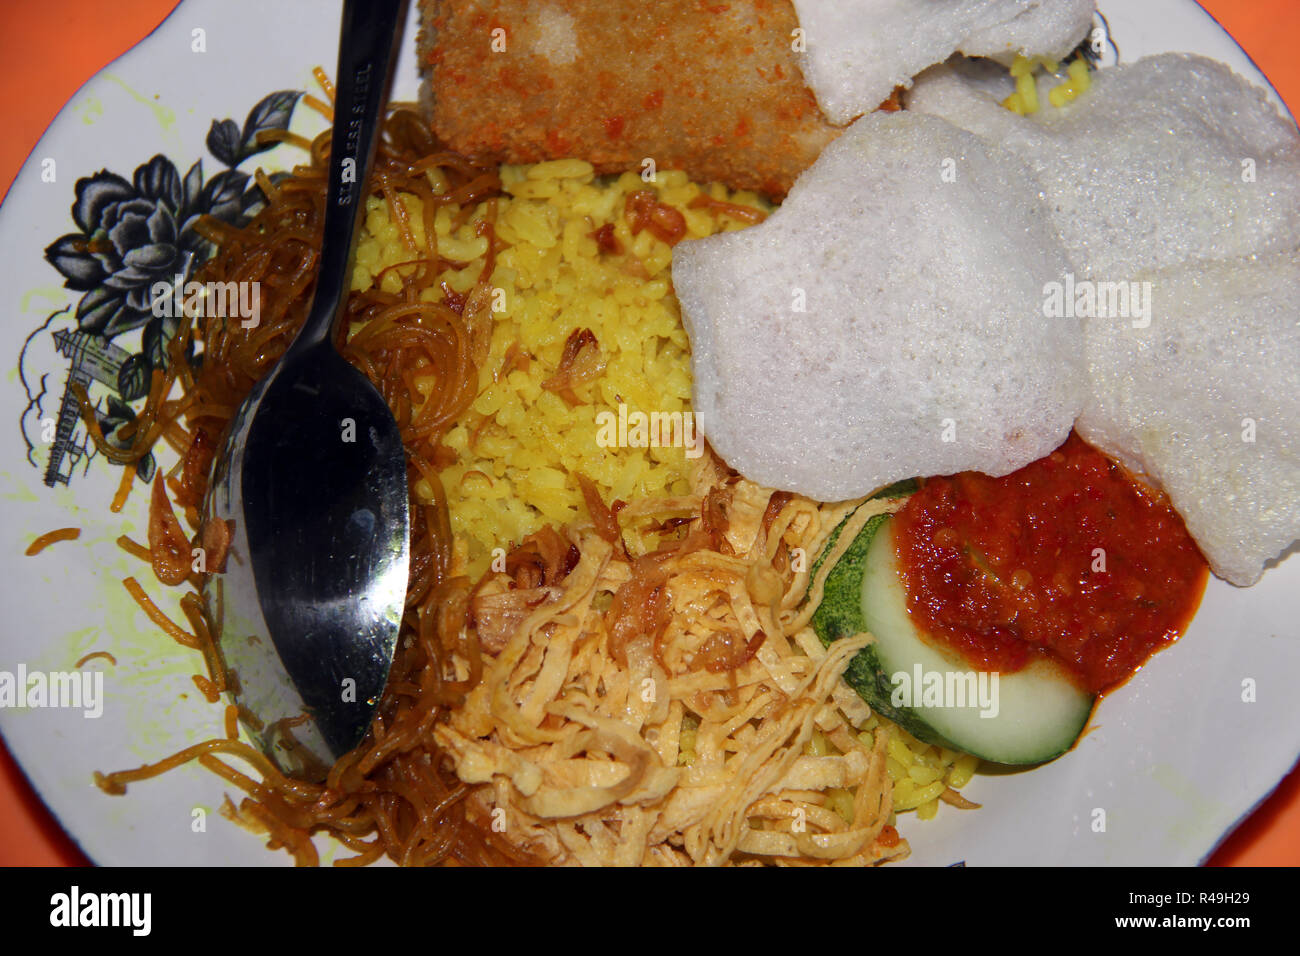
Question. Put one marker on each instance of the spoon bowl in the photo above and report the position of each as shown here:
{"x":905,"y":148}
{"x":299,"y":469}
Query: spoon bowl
{"x":307,"y":610}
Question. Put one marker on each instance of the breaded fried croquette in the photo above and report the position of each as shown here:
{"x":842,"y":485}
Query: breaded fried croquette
{"x":708,"y":86}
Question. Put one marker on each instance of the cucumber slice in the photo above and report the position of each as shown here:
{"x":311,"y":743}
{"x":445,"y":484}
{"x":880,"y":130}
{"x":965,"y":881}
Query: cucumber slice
{"x":1027,"y":717}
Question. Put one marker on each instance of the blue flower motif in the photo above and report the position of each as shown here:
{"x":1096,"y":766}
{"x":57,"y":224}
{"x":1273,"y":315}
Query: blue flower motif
{"x":132,"y":235}
{"x":135,"y":234}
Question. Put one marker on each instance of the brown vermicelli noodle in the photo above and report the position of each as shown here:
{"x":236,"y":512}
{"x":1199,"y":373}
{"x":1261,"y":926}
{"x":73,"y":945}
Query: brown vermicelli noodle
{"x":50,"y":537}
{"x":394,"y":795}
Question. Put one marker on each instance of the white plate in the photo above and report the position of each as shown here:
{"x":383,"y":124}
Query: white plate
{"x":1176,"y":758}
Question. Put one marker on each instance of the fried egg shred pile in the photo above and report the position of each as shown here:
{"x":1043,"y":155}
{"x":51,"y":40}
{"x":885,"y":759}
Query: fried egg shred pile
{"x":675,"y":708}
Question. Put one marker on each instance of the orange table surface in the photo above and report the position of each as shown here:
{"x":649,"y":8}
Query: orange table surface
{"x":52,"y":47}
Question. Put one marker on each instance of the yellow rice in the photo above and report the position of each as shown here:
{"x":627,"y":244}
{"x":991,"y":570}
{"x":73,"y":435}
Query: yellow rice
{"x":520,"y":444}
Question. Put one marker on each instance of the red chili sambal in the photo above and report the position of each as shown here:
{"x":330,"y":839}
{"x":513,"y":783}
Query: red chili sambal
{"x":1070,"y":557}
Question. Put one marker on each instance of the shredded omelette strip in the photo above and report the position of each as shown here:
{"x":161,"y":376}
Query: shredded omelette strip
{"x":645,"y":755}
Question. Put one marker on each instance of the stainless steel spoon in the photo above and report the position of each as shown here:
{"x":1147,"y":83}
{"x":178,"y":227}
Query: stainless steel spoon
{"x":311,"y":480}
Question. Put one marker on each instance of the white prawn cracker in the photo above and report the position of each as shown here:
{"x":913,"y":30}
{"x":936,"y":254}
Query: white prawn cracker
{"x":886,"y":321}
{"x":1206,"y":401}
{"x":1162,"y":161}
{"x":857,"y":51}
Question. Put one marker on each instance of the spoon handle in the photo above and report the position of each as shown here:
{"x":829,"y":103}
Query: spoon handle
{"x":368,"y":45}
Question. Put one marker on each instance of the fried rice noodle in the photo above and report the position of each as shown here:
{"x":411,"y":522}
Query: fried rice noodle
{"x":395,"y":788}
